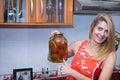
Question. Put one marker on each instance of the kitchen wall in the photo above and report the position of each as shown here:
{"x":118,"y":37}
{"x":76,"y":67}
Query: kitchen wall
{"x":28,"y":47}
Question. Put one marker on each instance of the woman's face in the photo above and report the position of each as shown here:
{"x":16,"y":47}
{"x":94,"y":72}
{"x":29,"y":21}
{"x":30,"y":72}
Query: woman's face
{"x":100,"y":32}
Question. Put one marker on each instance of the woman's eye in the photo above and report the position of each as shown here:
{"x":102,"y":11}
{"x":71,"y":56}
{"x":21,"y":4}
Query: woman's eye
{"x":106,"y":31}
{"x":99,"y":28}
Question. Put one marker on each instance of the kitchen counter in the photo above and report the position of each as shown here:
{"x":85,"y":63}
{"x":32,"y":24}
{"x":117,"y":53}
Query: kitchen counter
{"x":52,"y":78}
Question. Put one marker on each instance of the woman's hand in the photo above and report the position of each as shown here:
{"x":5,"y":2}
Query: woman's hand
{"x":66,"y":69}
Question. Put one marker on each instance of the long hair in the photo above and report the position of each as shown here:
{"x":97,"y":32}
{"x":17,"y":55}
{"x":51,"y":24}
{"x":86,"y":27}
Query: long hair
{"x":108,"y":45}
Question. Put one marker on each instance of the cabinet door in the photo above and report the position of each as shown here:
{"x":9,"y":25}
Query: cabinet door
{"x":61,"y":12}
{"x":69,"y":12}
{"x":35,"y":11}
{"x":47,"y":11}
{"x":40,"y":11}
{"x":1,"y":12}
{"x":31,"y":11}
{"x":13,"y":11}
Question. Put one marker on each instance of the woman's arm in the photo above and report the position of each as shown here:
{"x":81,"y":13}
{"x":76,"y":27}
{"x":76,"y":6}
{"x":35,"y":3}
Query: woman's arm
{"x":79,"y":76}
{"x":72,"y":48}
{"x":108,"y":67}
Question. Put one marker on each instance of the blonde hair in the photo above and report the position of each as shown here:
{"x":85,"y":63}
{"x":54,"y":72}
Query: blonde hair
{"x":108,"y":45}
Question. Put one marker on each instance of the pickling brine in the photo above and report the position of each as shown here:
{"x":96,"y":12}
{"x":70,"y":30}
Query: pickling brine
{"x":58,"y":48}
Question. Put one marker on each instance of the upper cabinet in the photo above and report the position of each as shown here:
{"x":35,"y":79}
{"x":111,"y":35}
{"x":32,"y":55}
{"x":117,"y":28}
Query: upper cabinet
{"x":93,"y":7}
{"x":1,"y":11}
{"x":36,"y":12}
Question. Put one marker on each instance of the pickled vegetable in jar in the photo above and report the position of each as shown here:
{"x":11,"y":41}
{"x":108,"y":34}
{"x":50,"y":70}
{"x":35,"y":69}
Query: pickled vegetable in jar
{"x":58,"y":48}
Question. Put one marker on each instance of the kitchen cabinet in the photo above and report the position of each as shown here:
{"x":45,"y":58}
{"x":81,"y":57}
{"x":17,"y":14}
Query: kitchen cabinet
{"x":1,"y":11}
{"x":36,"y":13}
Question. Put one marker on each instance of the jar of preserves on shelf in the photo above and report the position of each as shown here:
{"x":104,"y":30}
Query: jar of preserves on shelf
{"x":58,"y":48}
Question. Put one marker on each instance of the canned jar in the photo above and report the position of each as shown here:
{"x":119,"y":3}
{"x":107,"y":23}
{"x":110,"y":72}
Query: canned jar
{"x":58,"y":48}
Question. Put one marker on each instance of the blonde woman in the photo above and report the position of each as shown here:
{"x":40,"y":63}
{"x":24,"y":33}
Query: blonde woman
{"x":94,"y":59}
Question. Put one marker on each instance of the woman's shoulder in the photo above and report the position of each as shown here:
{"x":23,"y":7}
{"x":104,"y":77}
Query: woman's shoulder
{"x":112,"y":55}
{"x":111,"y":58}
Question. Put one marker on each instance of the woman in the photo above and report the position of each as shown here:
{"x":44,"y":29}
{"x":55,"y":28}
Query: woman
{"x":94,"y":59}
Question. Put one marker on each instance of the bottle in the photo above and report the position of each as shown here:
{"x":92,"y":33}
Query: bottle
{"x":58,"y":48}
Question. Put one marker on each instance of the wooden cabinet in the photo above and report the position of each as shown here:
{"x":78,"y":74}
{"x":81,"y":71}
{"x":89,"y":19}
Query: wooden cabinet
{"x":1,"y":11}
{"x":36,"y":14}
{"x":35,"y":11}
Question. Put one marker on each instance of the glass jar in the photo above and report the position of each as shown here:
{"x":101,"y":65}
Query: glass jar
{"x":58,"y":48}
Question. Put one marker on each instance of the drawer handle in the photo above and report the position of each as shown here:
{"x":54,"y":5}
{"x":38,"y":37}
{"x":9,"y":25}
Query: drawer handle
{"x":32,"y":8}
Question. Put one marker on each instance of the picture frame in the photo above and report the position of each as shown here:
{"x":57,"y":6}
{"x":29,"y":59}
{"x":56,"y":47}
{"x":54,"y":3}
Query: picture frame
{"x":23,"y":74}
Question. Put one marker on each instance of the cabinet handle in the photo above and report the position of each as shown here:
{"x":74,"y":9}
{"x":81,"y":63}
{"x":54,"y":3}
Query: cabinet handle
{"x":32,"y":8}
{"x":41,"y":10}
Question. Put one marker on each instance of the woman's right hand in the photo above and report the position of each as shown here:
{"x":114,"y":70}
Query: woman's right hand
{"x":54,"y":32}
{"x":66,"y":70}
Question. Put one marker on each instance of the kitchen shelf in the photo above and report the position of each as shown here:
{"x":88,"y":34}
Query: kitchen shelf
{"x":34,"y":25}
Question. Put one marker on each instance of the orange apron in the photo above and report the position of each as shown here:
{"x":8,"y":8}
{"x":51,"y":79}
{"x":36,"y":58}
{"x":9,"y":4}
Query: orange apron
{"x":84,"y":63}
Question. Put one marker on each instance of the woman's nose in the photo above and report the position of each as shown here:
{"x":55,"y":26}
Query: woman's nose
{"x":102,"y":33}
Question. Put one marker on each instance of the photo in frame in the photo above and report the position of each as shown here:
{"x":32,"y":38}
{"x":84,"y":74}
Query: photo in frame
{"x":23,"y":74}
